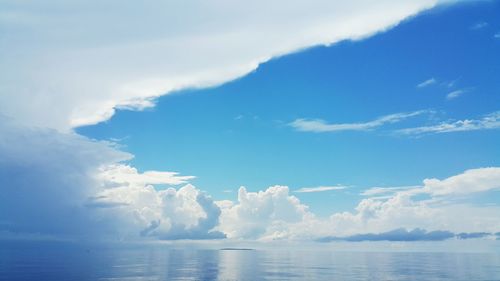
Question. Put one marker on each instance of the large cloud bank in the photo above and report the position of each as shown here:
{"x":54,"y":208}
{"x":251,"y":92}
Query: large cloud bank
{"x":65,"y":185}
{"x":66,"y":64}
{"x":46,"y":178}
{"x":88,"y":58}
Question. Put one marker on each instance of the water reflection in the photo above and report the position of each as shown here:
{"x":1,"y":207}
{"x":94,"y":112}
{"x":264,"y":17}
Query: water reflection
{"x":47,"y":261}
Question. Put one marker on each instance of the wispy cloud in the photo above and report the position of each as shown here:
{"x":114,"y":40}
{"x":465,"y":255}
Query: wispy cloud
{"x":497,"y":35}
{"x":121,"y":174}
{"x":321,"y":126}
{"x":455,"y":94}
{"x":479,"y":25}
{"x":490,"y":121}
{"x":451,"y":83}
{"x":320,"y":189}
{"x":427,"y":82}
{"x":375,"y":191}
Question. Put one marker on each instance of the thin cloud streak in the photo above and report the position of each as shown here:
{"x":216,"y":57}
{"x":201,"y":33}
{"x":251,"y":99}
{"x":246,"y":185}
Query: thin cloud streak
{"x":488,"y":122}
{"x":321,"y":126}
{"x":452,"y":83}
{"x":373,"y":191}
{"x":455,"y":94}
{"x":427,"y":82}
{"x":479,"y":25}
{"x":320,"y":189}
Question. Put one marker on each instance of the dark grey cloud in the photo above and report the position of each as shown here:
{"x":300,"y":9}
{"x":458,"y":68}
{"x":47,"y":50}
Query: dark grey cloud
{"x":402,"y":234}
{"x":473,"y":235}
{"x":46,"y":178}
{"x":49,"y":186}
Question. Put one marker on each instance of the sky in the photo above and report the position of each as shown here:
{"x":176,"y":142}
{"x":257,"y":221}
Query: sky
{"x":312,"y":120}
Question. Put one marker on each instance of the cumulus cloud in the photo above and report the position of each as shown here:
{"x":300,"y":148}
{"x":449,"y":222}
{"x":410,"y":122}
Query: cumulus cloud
{"x":403,"y":208}
{"x":319,"y":189}
{"x":269,"y":214}
{"x":59,"y":185}
{"x":65,"y":185}
{"x":66,"y":64}
{"x":321,"y":126}
{"x":488,"y":122}
{"x":189,"y":213}
{"x":186,"y":213}
{"x":90,"y":58}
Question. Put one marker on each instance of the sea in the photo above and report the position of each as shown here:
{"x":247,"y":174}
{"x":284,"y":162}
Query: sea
{"x":67,"y":261}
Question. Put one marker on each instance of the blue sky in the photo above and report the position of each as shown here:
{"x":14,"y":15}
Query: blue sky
{"x":238,"y":134}
{"x":309,"y":120}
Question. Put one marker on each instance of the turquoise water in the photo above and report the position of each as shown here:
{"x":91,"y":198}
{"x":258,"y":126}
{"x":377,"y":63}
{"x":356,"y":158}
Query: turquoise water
{"x":63,"y":261}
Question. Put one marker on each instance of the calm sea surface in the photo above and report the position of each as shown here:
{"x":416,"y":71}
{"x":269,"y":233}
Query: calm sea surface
{"x":65,"y":261}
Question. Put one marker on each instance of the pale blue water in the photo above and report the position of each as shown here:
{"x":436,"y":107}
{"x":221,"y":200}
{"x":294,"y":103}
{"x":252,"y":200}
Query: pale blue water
{"x":65,"y":261}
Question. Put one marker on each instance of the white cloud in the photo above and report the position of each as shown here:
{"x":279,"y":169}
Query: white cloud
{"x":452,"y":83}
{"x":471,"y":181}
{"x":66,"y":64}
{"x":54,"y":185}
{"x":263,"y":215}
{"x":427,"y":82}
{"x":402,"y":209}
{"x":497,"y":35}
{"x":320,"y":126}
{"x":254,"y":215}
{"x":374,"y":215}
{"x":455,"y":94}
{"x":89,"y":58}
{"x":488,"y":122}
{"x":319,"y":189}
{"x":185,"y":213}
{"x":66,"y":185}
{"x":376,"y":191}
{"x":479,"y":25}
{"x":125,"y":174}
